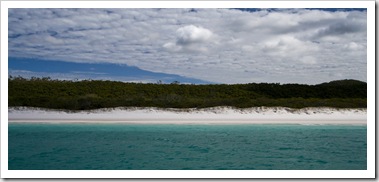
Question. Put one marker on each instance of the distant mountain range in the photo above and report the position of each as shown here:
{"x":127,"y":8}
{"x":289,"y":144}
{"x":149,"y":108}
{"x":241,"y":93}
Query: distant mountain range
{"x":61,"y":70}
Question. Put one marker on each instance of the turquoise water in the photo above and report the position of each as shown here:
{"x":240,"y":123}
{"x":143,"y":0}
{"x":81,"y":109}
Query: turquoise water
{"x":195,"y":147}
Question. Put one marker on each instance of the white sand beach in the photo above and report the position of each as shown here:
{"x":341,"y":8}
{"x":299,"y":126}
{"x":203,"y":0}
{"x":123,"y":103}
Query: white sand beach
{"x":215,"y":115}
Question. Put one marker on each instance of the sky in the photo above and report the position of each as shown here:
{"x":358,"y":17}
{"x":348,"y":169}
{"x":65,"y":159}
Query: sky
{"x":307,"y":46}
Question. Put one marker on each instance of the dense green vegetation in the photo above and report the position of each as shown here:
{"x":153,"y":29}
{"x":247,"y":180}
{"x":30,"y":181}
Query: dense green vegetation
{"x":82,"y":95}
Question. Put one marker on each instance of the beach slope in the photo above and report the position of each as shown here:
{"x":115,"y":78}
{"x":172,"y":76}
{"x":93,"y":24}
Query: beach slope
{"x":214,"y":115}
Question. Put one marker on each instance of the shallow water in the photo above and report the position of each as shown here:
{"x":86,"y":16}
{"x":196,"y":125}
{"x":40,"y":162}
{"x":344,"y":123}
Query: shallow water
{"x":155,"y":147}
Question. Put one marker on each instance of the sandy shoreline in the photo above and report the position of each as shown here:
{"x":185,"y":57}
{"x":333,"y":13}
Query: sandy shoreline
{"x":216,"y":115}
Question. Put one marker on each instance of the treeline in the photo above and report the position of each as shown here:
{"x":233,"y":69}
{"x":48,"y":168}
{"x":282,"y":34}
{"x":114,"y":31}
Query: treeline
{"x":92,"y":94}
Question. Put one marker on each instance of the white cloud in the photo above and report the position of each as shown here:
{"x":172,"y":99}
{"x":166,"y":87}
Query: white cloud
{"x":190,"y":38}
{"x":354,"y":46}
{"x":219,"y":45}
{"x":192,"y":34}
{"x":309,"y":60}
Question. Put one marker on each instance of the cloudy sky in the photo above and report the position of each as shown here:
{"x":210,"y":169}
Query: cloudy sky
{"x":201,"y":45}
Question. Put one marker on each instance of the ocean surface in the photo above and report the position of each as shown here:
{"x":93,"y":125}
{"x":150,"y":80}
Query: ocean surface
{"x":186,"y":147}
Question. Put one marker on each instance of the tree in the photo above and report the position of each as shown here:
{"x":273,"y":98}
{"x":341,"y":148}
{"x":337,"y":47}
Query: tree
{"x":175,"y":82}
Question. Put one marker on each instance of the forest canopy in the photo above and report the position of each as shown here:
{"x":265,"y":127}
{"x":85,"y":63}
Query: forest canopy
{"x":94,"y":94}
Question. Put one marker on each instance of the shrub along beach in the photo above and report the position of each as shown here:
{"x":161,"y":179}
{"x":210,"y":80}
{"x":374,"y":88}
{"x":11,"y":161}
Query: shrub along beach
{"x":45,"y":100}
{"x":90,"y":94}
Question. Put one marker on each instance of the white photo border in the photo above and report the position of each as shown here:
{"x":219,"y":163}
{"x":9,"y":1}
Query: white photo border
{"x":369,"y":173}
